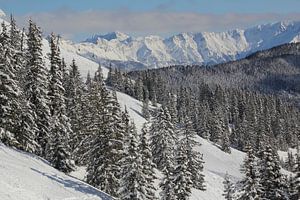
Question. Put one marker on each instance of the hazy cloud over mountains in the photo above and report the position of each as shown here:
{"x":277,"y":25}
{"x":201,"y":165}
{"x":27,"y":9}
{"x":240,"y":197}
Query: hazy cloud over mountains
{"x":69,"y":22}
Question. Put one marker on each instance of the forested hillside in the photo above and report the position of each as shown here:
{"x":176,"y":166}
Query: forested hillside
{"x":51,"y":112}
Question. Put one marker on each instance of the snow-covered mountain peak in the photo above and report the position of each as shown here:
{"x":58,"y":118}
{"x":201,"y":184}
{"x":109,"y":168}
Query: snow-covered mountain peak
{"x":186,"y":48}
{"x":117,"y":35}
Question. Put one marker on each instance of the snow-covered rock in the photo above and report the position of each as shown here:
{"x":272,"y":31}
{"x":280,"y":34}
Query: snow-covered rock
{"x":184,"y":48}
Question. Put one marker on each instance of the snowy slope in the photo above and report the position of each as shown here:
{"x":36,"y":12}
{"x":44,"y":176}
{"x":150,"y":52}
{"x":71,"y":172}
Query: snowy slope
{"x":185,"y":48}
{"x":217,"y":163}
{"x":25,"y":176}
{"x":85,"y":65}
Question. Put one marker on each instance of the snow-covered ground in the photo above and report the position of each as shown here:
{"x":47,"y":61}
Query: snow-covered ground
{"x":24,"y":176}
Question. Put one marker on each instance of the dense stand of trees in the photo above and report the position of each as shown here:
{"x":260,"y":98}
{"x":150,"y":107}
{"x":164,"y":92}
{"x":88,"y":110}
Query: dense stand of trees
{"x":228,"y":116}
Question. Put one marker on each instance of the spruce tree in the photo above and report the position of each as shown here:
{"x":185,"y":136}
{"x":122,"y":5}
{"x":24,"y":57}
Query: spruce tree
{"x":147,"y":164}
{"x":36,"y":86}
{"x":132,"y":186}
{"x":228,"y":188}
{"x":182,"y":175}
{"x":60,"y":126}
{"x":26,"y":129}
{"x":9,"y":90}
{"x":145,"y":108}
{"x":295,"y":181}
{"x":167,"y":182}
{"x":225,"y":144}
{"x":271,"y":177}
{"x":138,"y":89}
{"x":106,"y":150}
{"x":251,"y":188}
{"x":75,"y":108}
{"x":162,"y":138}
{"x":194,"y":158}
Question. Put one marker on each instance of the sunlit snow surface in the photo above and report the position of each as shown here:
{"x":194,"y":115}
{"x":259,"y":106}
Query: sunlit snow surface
{"x":24,"y":176}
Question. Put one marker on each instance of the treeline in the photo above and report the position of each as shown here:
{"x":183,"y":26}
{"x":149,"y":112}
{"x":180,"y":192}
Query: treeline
{"x":49,"y":111}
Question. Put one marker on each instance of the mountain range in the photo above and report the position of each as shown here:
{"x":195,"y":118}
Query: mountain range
{"x":128,"y":52}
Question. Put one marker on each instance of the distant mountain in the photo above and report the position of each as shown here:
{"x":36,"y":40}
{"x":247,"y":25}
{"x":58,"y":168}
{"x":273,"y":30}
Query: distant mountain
{"x":185,"y":48}
{"x":109,"y":36}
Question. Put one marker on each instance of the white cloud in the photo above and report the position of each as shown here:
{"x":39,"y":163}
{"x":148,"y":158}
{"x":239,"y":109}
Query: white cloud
{"x":69,"y":22}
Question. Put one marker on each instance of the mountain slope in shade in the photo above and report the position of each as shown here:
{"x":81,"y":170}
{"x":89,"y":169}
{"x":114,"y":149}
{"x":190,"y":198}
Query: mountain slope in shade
{"x":25,"y":176}
{"x":185,"y":48}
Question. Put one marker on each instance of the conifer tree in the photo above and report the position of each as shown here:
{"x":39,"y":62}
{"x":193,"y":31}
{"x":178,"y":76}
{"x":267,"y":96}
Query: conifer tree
{"x":88,"y":81}
{"x":194,"y":158}
{"x":251,"y":188}
{"x":271,"y":177}
{"x":290,"y":162}
{"x":36,"y":86}
{"x":75,"y":110}
{"x":182,"y":175}
{"x":132,"y":177}
{"x":145,"y":108}
{"x":225,"y":145}
{"x":295,"y":181}
{"x":217,"y":126}
{"x":9,"y":90}
{"x":138,"y":89}
{"x":59,"y":150}
{"x":228,"y":188}
{"x":107,"y":148}
{"x":147,"y":164}
{"x":26,"y":129}
{"x":167,"y":182}
{"x":162,"y":138}
{"x":15,"y":36}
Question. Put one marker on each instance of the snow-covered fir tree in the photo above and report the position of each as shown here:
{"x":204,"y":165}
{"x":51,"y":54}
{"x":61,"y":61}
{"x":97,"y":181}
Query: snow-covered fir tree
{"x":295,"y":181}
{"x":225,"y":143}
{"x":182,"y":176}
{"x":162,"y":137}
{"x":167,"y":182}
{"x":133,"y":179}
{"x":138,"y":89}
{"x":194,"y":157}
{"x":59,"y":148}
{"x":75,"y":108}
{"x":106,"y":149}
{"x":229,"y":189}
{"x":9,"y":90}
{"x":145,"y":108}
{"x":147,"y":163}
{"x":251,"y":188}
{"x":271,"y":177}
{"x":26,"y":129}
{"x":36,"y":86}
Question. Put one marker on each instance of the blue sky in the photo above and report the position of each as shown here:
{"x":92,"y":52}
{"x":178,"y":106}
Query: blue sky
{"x":203,"y":6}
{"x":79,"y":18}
